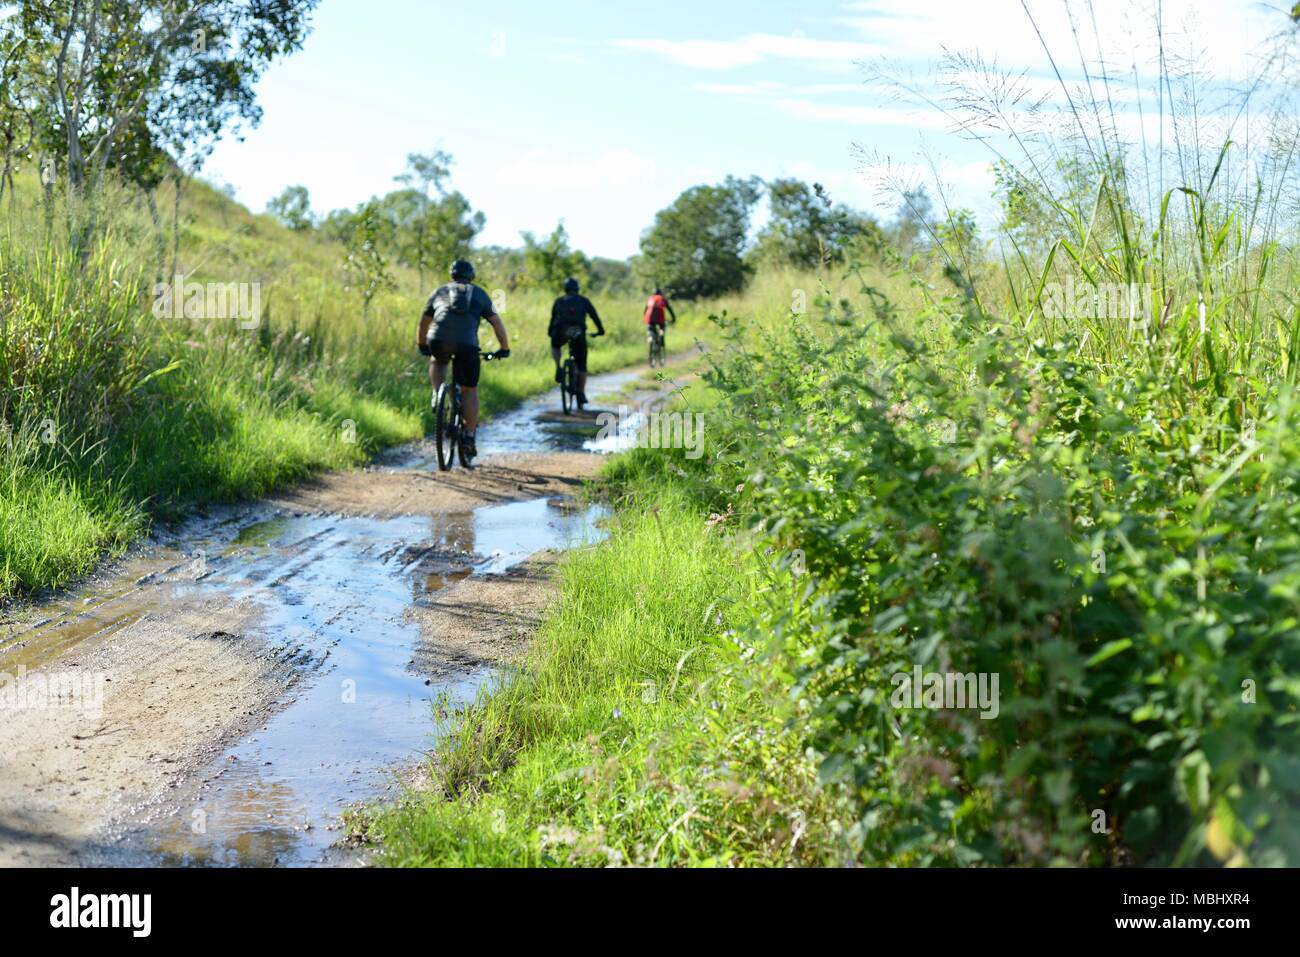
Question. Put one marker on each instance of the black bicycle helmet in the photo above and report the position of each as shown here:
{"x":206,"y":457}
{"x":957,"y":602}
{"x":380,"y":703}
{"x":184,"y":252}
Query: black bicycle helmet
{"x":462,"y":270}
{"x":571,"y":286}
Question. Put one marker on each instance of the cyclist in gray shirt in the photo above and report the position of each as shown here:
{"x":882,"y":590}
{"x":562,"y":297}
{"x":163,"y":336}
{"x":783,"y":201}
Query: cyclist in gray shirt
{"x":449,"y":334}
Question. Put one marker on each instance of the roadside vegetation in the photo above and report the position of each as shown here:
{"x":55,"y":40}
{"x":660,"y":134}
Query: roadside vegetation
{"x":639,"y":733}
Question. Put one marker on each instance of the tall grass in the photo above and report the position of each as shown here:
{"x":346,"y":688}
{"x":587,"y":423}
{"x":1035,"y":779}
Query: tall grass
{"x":636,"y":733}
{"x":1092,"y":506}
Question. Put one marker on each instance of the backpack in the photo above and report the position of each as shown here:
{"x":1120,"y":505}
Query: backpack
{"x":460,"y":295}
{"x":571,"y":314}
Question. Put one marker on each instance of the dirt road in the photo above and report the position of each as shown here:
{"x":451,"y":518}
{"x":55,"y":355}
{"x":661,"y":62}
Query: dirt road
{"x":221,"y":694}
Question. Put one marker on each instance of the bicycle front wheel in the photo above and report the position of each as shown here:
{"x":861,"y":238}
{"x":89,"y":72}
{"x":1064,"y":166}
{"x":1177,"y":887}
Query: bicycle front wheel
{"x":445,"y":426}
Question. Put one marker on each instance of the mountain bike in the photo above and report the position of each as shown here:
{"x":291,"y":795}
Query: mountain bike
{"x":570,"y":397}
{"x":656,"y":344}
{"x":448,"y":425}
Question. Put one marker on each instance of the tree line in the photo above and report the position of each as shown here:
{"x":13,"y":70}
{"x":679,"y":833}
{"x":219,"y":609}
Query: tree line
{"x":139,"y":91}
{"x":700,"y":245}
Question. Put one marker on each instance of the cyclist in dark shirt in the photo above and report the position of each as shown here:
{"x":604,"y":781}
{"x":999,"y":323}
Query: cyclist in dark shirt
{"x":449,"y":334}
{"x":569,"y":317}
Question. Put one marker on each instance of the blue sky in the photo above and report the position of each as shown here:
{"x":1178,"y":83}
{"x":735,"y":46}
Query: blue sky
{"x":601,"y":113}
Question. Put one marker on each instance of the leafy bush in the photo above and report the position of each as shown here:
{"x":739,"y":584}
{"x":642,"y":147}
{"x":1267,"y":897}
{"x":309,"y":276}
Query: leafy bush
{"x":1123,"y":556}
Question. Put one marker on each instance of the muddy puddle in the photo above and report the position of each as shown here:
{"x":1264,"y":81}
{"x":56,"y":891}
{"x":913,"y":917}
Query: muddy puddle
{"x":539,"y":424}
{"x":336,"y":591}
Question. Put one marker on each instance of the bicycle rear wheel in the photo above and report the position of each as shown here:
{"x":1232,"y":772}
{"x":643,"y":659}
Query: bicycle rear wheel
{"x":567,"y":391}
{"x":446,"y":428}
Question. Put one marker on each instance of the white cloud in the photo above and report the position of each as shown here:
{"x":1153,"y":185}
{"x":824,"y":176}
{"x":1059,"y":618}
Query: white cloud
{"x":752,"y":49}
{"x":865,"y":115}
{"x":985,"y":62}
{"x":555,"y":170}
{"x":1225,"y":38}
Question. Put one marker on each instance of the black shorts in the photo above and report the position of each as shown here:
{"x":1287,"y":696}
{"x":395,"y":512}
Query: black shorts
{"x":465,"y":362}
{"x":577,"y":349}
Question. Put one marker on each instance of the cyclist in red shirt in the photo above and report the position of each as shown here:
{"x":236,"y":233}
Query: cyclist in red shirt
{"x":655,"y":308}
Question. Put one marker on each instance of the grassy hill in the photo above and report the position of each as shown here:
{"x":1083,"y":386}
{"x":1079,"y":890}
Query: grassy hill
{"x":116,"y":413}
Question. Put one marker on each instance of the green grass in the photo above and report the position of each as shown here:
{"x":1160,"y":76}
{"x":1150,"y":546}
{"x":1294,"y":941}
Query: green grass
{"x":935,"y":469}
{"x":638,"y":732}
{"x":1112,"y":543}
{"x":53,"y":528}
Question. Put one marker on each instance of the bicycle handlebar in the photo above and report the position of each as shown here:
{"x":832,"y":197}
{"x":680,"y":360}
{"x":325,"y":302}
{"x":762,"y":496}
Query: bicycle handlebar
{"x":489,"y":356}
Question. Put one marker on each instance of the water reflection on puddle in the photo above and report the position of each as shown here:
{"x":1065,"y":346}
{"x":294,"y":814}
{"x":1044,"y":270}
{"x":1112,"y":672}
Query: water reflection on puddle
{"x":335,"y":590}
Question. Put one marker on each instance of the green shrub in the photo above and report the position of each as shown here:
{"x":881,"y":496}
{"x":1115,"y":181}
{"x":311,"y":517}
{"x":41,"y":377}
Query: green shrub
{"x":1122,"y":554}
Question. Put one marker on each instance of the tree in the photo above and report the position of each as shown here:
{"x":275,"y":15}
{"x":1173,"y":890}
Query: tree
{"x":292,"y":208}
{"x":19,"y":100}
{"x":807,"y":230}
{"x":696,"y":245}
{"x":425,"y":226}
{"x":365,"y":268}
{"x":426,"y":172}
{"x":428,"y":233}
{"x":611,"y":276}
{"x":450,"y":225}
{"x":506,"y":264}
{"x":913,"y":225}
{"x":550,"y":261}
{"x":129,"y":82}
{"x":424,"y":176}
{"x":421,"y":226}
